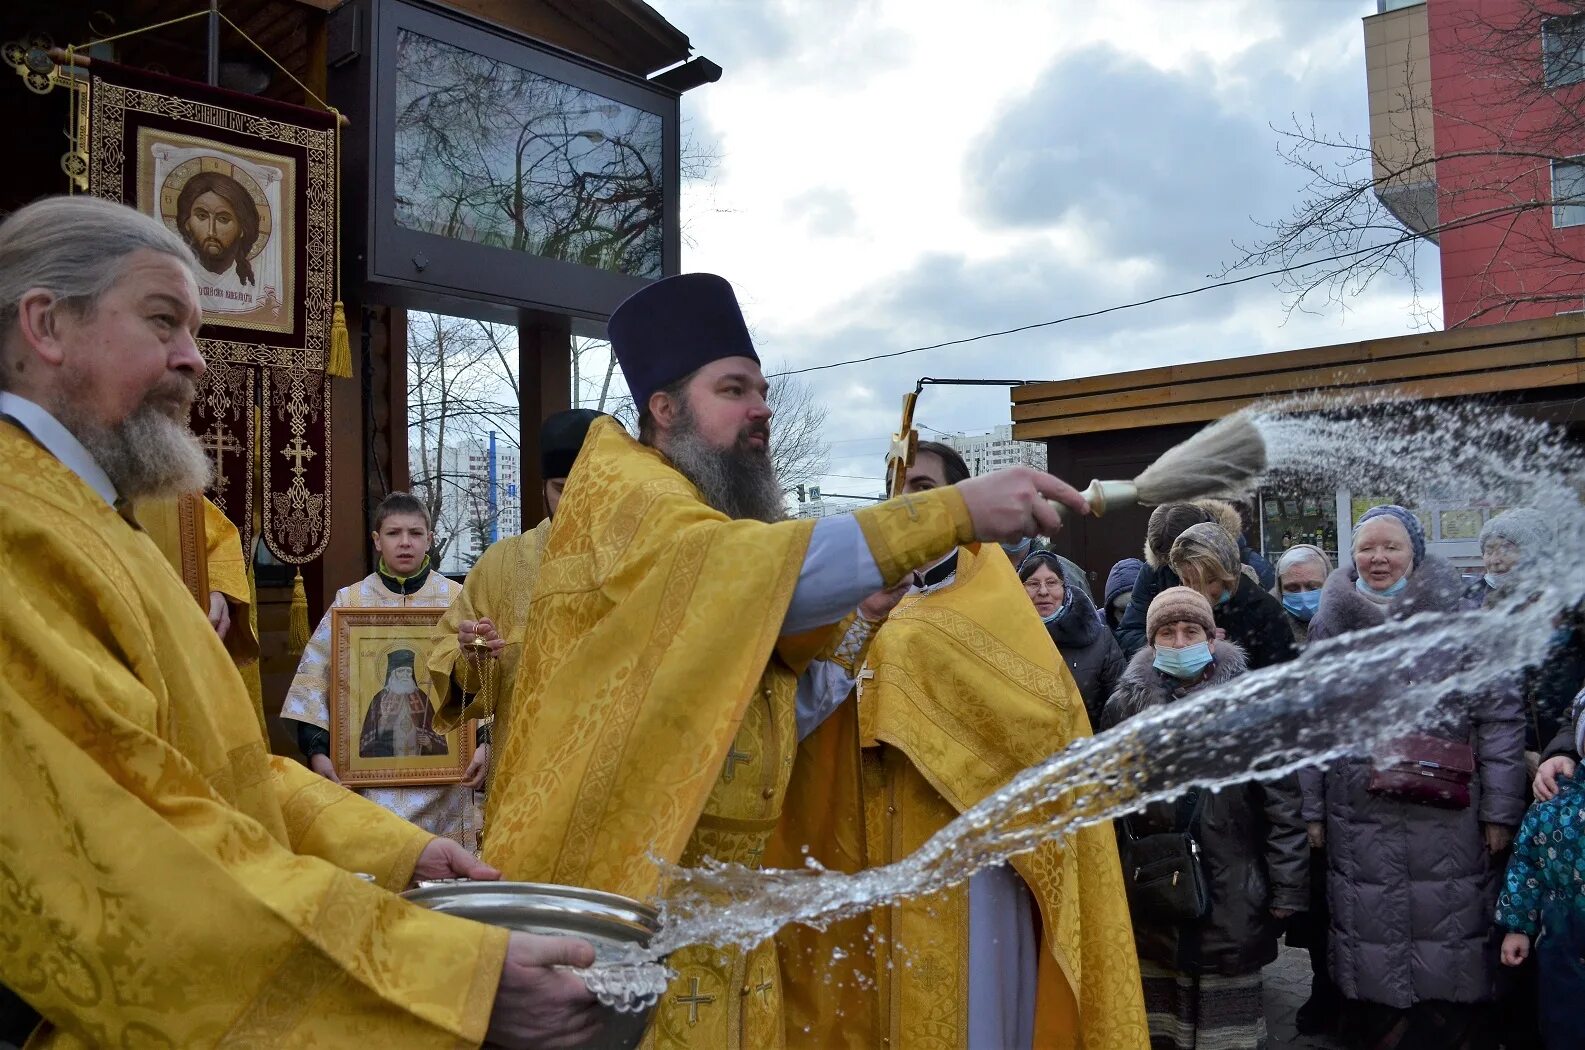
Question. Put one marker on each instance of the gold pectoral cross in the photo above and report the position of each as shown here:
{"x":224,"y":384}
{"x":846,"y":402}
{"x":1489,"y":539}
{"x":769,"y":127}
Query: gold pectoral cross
{"x":900,"y":456}
{"x":693,"y":1000}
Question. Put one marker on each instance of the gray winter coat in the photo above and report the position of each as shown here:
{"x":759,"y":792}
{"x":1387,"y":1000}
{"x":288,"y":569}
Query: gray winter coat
{"x":1411,"y":887}
{"x":1252,"y":845}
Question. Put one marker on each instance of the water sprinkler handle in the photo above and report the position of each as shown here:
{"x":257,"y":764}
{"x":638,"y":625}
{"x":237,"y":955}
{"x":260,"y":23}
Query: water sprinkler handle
{"x":1103,"y":495}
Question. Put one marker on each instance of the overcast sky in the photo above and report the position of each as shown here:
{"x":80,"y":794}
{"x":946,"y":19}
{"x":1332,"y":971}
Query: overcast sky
{"x":893,"y":173}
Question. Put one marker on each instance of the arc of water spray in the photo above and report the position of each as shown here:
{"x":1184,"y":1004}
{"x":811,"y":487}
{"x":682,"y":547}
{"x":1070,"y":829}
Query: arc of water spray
{"x":1345,"y":696}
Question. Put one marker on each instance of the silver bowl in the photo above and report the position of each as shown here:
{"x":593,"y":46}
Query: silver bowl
{"x":612,"y":923}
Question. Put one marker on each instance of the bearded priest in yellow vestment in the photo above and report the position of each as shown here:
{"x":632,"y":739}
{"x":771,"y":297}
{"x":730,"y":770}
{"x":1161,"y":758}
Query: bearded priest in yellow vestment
{"x":656,"y":712}
{"x":164,"y":882}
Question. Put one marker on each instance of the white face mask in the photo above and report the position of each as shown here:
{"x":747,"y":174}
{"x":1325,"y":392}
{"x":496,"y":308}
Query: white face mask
{"x":1494,"y":579}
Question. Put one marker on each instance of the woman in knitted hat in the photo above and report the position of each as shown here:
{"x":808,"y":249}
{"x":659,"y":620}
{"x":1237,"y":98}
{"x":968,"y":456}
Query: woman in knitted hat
{"x":1301,"y":573}
{"x":1505,"y":541}
{"x":1205,"y":557}
{"x":1202,"y":978}
{"x":1508,"y":542}
{"x":1412,"y":885}
{"x":1085,"y":644}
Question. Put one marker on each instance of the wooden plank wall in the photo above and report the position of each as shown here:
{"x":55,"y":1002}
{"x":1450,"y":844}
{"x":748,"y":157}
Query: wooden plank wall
{"x":1464,"y":362}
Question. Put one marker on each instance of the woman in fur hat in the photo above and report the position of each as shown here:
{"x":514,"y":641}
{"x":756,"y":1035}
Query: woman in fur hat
{"x":1412,"y":885}
{"x":1203,"y":978}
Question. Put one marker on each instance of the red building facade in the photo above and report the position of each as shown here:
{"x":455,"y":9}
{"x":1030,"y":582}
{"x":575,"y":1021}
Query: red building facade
{"x":1488,"y":111}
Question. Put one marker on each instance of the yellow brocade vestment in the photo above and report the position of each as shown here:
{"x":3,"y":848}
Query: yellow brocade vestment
{"x":205,"y":549}
{"x":654,"y":713}
{"x":965,"y":691}
{"x":498,"y":588}
{"x":164,"y":882}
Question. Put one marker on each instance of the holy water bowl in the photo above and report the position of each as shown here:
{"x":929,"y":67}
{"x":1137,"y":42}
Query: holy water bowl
{"x":612,"y":923}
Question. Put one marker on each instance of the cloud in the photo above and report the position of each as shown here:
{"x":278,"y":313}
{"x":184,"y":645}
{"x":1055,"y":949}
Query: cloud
{"x":824,"y":210}
{"x":1149,"y":163}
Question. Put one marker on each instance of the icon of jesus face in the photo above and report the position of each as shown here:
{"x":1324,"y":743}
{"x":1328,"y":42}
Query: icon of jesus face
{"x":220,"y":221}
{"x":213,"y":228}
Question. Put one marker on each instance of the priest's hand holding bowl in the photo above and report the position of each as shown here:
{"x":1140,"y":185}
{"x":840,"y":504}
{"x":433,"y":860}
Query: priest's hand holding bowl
{"x":537,"y":1003}
{"x":479,"y":638}
{"x":1008,"y":505}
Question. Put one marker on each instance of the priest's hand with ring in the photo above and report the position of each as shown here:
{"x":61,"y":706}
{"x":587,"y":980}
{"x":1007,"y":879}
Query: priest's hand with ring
{"x":479,"y":638}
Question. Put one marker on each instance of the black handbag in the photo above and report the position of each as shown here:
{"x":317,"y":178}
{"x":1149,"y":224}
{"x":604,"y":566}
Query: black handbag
{"x":1162,"y":871}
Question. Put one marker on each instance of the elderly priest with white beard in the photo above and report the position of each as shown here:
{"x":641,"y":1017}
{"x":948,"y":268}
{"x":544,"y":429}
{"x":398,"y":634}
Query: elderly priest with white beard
{"x":164,"y":881}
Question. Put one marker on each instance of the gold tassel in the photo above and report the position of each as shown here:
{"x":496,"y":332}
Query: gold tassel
{"x":297,"y":622}
{"x":339,"y":363}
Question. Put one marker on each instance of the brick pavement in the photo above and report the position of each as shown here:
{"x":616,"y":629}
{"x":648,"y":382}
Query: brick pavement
{"x":1287,"y":986}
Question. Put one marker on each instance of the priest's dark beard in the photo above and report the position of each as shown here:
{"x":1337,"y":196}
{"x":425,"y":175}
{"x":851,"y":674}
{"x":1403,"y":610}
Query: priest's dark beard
{"x":148,"y":455}
{"x":740,"y":482}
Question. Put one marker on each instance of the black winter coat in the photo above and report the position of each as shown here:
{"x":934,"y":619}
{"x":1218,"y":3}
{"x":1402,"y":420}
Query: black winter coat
{"x":1252,"y":846}
{"x":1089,"y":650}
{"x":1257,"y":623}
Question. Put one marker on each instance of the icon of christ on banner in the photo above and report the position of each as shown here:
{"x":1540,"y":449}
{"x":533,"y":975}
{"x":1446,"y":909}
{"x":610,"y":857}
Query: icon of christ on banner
{"x":227,"y":203}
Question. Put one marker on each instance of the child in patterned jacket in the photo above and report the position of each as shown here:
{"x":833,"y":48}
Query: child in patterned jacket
{"x":1543,"y":902}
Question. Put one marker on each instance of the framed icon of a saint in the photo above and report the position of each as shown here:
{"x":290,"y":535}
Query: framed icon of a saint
{"x":382,"y":705}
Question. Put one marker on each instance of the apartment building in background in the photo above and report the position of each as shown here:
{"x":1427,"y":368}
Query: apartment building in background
{"x":995,"y":449}
{"x":480,"y":499}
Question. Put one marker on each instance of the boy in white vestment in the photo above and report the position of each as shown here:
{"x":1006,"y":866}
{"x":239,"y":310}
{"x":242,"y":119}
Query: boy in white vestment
{"x":403,"y":578}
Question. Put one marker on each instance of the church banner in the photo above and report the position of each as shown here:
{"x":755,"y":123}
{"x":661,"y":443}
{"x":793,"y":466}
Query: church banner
{"x":249,"y":184}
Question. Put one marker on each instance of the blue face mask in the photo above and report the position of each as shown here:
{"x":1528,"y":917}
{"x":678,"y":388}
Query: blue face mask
{"x":1494,"y":579}
{"x":1302,"y":604}
{"x":1365,"y":588}
{"x":1183,"y":664}
{"x":1226,"y":597}
{"x":1019,"y":549}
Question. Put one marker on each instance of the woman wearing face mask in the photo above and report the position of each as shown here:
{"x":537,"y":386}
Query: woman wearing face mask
{"x":1504,"y":541}
{"x":1202,"y":978}
{"x":1301,"y":573}
{"x":1205,"y":557}
{"x":1089,"y":649}
{"x":1412,"y":883}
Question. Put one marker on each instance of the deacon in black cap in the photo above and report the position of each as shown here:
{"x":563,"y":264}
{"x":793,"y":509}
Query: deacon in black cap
{"x":657,"y":708}
{"x":493,"y":605}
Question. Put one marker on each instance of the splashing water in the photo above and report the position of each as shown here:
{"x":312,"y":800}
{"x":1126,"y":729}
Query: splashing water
{"x":1351,"y":695}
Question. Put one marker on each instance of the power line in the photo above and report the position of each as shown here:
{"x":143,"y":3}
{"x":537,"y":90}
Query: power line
{"x":1097,"y":313}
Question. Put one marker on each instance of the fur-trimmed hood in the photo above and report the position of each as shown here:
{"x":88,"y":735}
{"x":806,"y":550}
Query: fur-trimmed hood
{"x":1224,"y":514}
{"x":1142,"y":686}
{"x":1433,"y":587}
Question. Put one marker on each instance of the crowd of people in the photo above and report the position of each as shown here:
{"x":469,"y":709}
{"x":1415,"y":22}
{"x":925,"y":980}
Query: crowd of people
{"x":1391,"y":886}
{"x":667,"y":668}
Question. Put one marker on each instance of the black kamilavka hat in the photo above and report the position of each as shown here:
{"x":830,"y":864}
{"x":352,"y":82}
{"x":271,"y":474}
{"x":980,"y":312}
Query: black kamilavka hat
{"x":674,"y":327}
